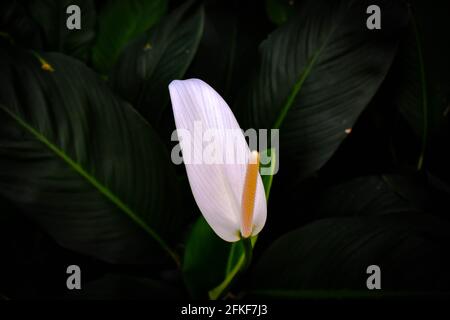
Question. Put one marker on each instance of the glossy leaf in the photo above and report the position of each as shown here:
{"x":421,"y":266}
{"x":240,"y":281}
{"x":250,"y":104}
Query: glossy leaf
{"x":372,"y":195}
{"x":163,"y":54}
{"x":51,"y":16}
{"x":17,"y":26}
{"x":333,"y":254}
{"x":231,"y":37}
{"x":205,"y":259}
{"x":316,"y":75}
{"x":119,"y":22}
{"x":279,"y":11}
{"x":416,"y":93}
{"x":82,"y":163}
{"x":412,"y":95}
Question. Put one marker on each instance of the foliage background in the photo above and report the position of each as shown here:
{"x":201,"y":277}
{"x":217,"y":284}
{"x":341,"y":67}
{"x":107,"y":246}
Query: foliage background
{"x":340,"y":202}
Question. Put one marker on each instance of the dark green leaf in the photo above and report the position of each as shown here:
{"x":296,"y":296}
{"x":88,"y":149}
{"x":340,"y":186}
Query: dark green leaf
{"x":438,"y":184}
{"x":412,"y":98}
{"x":372,"y":195}
{"x":279,"y":11}
{"x":120,"y":22}
{"x":205,"y":259}
{"x":17,"y":26}
{"x":52,"y":17}
{"x":81,"y":162}
{"x":411,"y":251}
{"x":317,"y":73}
{"x":150,"y":63}
{"x":232,"y":39}
{"x":416,"y":92}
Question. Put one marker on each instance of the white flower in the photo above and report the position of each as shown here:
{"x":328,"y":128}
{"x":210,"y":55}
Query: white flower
{"x":230,"y":195}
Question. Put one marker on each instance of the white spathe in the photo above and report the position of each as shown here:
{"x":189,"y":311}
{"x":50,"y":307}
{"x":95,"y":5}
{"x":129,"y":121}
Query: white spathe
{"x":217,"y":188}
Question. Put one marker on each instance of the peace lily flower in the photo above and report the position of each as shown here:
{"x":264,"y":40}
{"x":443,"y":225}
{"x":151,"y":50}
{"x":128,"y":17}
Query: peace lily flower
{"x":230,"y":195}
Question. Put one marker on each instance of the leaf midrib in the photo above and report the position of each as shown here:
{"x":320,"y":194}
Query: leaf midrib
{"x":298,"y":85}
{"x":93,"y":181}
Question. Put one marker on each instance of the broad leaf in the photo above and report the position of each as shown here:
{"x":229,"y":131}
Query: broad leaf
{"x":333,"y":254}
{"x":232,"y":39}
{"x":316,"y":75}
{"x":205,"y":259}
{"x":82,"y":163}
{"x":279,"y":11}
{"x":372,"y":195}
{"x":415,"y":90}
{"x":119,"y":22}
{"x":412,"y":91}
{"x":150,"y":63}
{"x":17,"y":26}
{"x":51,"y":16}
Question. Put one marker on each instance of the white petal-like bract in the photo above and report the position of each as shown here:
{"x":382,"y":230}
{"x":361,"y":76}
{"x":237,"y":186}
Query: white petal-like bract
{"x":217,"y":187}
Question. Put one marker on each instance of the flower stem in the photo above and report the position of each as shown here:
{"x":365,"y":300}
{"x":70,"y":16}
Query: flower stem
{"x":248,"y":252}
{"x":242,"y":264}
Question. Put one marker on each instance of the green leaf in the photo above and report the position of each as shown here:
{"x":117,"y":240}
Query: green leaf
{"x":316,"y":75}
{"x":232,"y":39}
{"x":372,"y":195}
{"x":51,"y":16}
{"x":17,"y":26}
{"x":210,"y":264}
{"x":413,"y":96}
{"x":119,"y":22}
{"x":417,"y":93}
{"x":205,"y":259}
{"x":333,"y":254}
{"x":82,"y":163}
{"x":438,"y":184}
{"x":239,"y":259}
{"x":271,"y":167}
{"x":279,"y":11}
{"x":147,"y":66}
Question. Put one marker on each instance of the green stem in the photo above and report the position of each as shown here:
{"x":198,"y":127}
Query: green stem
{"x":218,"y":291}
{"x":248,"y":253}
{"x":242,"y":264}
